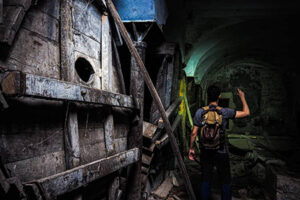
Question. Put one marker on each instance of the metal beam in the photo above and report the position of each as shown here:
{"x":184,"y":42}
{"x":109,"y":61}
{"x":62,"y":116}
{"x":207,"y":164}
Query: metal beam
{"x":70,"y":180}
{"x":22,"y":84}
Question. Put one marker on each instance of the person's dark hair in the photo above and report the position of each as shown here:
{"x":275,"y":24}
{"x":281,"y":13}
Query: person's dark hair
{"x":213,"y":93}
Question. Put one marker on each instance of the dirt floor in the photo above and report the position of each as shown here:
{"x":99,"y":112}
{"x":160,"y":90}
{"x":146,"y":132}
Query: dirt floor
{"x":243,"y":188}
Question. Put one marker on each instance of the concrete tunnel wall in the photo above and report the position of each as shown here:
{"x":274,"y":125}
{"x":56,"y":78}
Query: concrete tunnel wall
{"x":249,"y":45}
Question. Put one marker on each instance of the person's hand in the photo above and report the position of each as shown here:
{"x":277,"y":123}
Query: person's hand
{"x":241,"y":93}
{"x":191,"y":154}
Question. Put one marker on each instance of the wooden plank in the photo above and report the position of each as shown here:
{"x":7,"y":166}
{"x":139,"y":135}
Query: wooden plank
{"x":106,"y":52}
{"x":38,"y":167}
{"x":12,"y":18}
{"x":160,"y":86}
{"x":165,"y":138}
{"x":31,"y":53}
{"x":154,"y":94}
{"x":24,"y":137}
{"x":91,"y":134}
{"x":107,"y":85}
{"x":87,"y":46}
{"x":41,"y":23}
{"x":170,"y":111}
{"x":66,"y":40}
{"x":87,"y":20}
{"x":149,"y":149}
{"x":113,"y":189}
{"x":22,"y":3}
{"x":17,"y":83}
{"x":163,"y":190}
{"x":52,"y":8}
{"x":109,"y":133}
{"x":71,"y":133}
{"x":120,"y":144}
{"x":72,"y":179}
{"x":135,"y":138}
{"x":149,"y":130}
{"x":119,"y":68}
{"x":146,"y":159}
{"x":169,"y":79}
{"x":145,"y":170}
{"x":122,"y":122}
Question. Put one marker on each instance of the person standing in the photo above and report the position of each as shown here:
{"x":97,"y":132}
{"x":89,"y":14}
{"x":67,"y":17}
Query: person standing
{"x":211,"y":122}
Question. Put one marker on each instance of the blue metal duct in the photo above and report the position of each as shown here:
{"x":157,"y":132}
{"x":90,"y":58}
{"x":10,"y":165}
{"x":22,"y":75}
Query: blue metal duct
{"x":142,"y":10}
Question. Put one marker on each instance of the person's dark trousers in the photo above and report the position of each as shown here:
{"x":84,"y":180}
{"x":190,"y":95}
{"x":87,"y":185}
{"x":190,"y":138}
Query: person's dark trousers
{"x":209,"y":159}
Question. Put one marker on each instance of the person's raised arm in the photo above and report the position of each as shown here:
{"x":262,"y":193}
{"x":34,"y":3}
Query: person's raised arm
{"x":192,"y":141}
{"x":245,"y":112}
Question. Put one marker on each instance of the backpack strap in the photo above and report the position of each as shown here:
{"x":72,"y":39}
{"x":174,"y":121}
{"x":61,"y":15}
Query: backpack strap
{"x":219,"y":108}
{"x":205,"y":107}
{"x":205,"y":110}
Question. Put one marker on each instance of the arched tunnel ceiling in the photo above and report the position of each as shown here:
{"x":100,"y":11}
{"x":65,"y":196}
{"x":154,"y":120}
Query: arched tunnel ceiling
{"x":260,"y":39}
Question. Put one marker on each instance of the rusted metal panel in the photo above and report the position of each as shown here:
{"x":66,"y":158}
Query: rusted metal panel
{"x":22,"y":84}
{"x":72,"y":179}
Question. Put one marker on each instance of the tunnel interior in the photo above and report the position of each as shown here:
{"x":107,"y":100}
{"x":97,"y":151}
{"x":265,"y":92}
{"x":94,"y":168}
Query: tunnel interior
{"x":79,"y":121}
{"x":251,"y":46}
